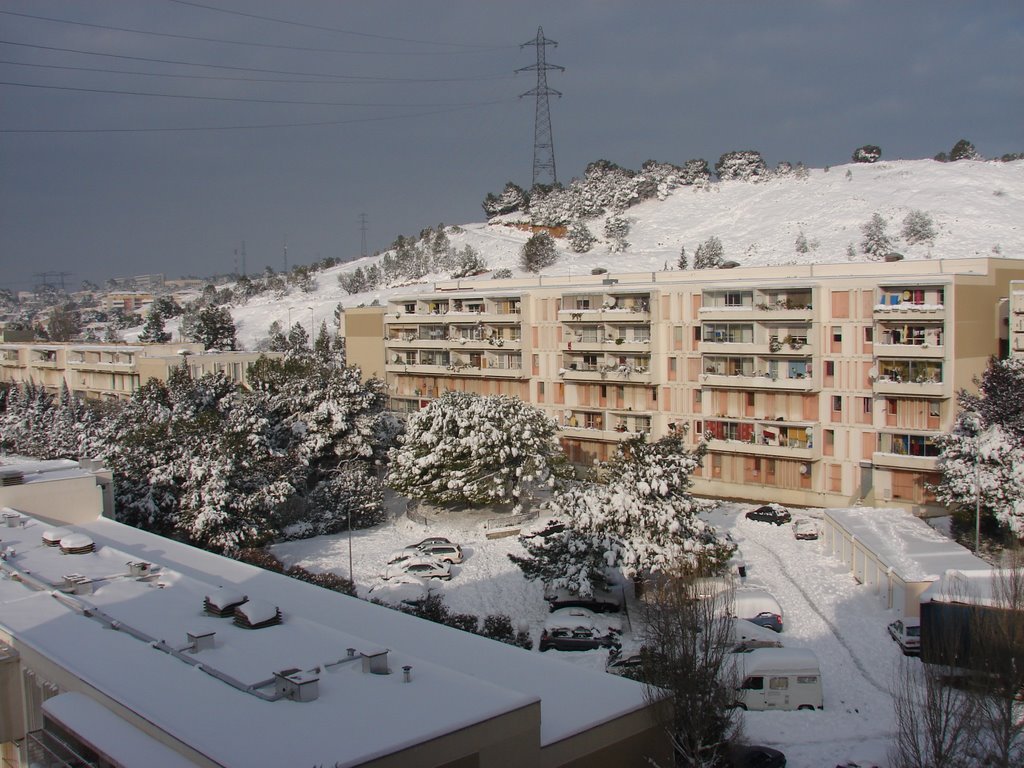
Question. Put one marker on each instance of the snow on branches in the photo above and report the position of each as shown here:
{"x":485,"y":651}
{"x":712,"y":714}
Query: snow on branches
{"x":642,"y":520}
{"x":471,"y":449}
{"x":985,"y":450}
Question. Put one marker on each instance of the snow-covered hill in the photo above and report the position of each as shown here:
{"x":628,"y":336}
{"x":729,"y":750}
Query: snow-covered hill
{"x":977,"y":208}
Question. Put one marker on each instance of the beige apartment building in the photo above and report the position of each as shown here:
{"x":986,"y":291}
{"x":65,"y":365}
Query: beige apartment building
{"x":1016,"y":318}
{"x":819,"y":385}
{"x":114,"y":371}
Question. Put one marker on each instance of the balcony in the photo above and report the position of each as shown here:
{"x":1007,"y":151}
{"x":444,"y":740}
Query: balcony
{"x":619,"y":373}
{"x":747,"y":448}
{"x":611,"y":345}
{"x":628,"y":315}
{"x":602,"y":435}
{"x":890,"y":386}
{"x":806,"y":384}
{"x":909,"y":350}
{"x":909,"y":311}
{"x":903,"y":461}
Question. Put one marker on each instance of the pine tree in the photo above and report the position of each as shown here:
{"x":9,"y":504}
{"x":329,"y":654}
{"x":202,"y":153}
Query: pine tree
{"x":214,"y":328}
{"x":876,"y":242}
{"x":986,"y":449}
{"x":469,"y":449}
{"x":710,"y":254}
{"x":580,"y":238}
{"x":643,"y":520}
{"x":682,"y":263}
{"x":964,"y":150}
{"x":918,"y":227}
{"x":153,"y":331}
{"x":538,"y":252}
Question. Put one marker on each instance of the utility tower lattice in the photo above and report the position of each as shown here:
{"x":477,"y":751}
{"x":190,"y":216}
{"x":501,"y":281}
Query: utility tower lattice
{"x":543,"y":144}
{"x":362,"y":231}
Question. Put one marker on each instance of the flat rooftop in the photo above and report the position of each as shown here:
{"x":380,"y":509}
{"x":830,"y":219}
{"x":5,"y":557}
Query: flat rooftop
{"x":118,"y":636}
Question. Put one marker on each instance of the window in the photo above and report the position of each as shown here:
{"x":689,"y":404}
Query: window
{"x":837,"y":403}
{"x":750,"y":399}
{"x":654,"y":394}
{"x":869,"y":335}
{"x":779,"y":683}
{"x":753,"y":684}
{"x":697,"y":396}
{"x":866,"y":404}
{"x":830,"y":368}
{"x":540,"y":391}
{"x":807,"y":680}
{"x":830,"y":442}
{"x":934,"y":408}
{"x":837,"y":334}
{"x":890,"y":406}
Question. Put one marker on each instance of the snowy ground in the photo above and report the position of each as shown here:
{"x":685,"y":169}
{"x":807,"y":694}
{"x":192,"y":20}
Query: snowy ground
{"x":824,"y":610}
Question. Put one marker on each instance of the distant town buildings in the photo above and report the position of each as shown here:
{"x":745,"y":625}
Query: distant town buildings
{"x":819,"y":385}
{"x":114,"y":371}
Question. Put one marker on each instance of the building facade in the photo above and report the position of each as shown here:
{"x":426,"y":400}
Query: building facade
{"x":114,"y":371}
{"x":818,"y":385}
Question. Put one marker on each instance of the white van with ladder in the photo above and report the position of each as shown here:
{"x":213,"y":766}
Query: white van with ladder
{"x":780,"y":678}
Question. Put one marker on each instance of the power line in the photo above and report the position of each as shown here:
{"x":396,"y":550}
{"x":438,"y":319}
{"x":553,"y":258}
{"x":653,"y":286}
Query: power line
{"x":241,"y":99}
{"x":333,"y":29}
{"x":357,"y":78}
{"x":224,"y":41}
{"x":336,"y":79}
{"x":241,"y":127}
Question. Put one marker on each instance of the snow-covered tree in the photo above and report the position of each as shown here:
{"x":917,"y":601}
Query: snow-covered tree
{"x":580,"y":238}
{"x":801,"y":244}
{"x":918,"y":227}
{"x":512,"y":199}
{"x":214,"y":328}
{"x":710,"y":254}
{"x":869,"y":153}
{"x":964,"y":150}
{"x":985,"y":449}
{"x":538,"y":252}
{"x":875,"y":242}
{"x":615,"y":230}
{"x":153,"y":331}
{"x":682,"y":262}
{"x":743,"y":165}
{"x":465,"y":448}
{"x":642,"y":520}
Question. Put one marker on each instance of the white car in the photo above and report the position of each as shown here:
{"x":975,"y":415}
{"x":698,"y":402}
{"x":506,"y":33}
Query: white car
{"x":401,"y":590}
{"x":907,"y":632}
{"x":424,"y":567}
{"x":806,"y":528}
{"x":576,"y":617}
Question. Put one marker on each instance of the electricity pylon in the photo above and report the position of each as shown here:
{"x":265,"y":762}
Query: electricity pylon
{"x":543,"y":143}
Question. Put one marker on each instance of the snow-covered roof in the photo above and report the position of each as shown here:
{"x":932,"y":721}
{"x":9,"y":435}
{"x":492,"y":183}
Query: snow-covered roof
{"x":915,"y":551}
{"x":43,"y":470}
{"x":356,"y":716}
{"x":984,"y":586}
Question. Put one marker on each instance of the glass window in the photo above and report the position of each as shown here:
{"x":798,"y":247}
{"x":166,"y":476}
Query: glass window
{"x":837,"y":402}
{"x":779,"y":683}
{"x":837,"y":333}
{"x":806,"y":679}
{"x":753,"y":684}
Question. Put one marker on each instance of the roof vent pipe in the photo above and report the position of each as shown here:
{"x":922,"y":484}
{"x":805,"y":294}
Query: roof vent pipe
{"x":201,"y":641}
{"x":406,"y":673}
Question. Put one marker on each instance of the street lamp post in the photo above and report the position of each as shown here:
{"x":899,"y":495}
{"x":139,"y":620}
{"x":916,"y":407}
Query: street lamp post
{"x":977,"y":500}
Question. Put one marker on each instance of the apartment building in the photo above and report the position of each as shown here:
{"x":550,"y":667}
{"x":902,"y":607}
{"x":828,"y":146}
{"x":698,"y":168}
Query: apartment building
{"x":121,"y":648}
{"x":819,"y":385}
{"x":114,"y":371}
{"x":1016,"y":318}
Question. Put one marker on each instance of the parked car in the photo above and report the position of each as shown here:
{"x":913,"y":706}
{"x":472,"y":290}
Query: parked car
{"x":580,"y":637}
{"x":401,"y":590}
{"x":618,"y":663}
{"x":907,"y":632}
{"x":770,"y":513}
{"x":425,"y":567}
{"x":429,"y":541}
{"x":600,"y":602}
{"x":757,"y":606}
{"x":806,"y":528}
{"x":571,"y":617}
{"x":401,"y":555}
{"x":449,"y":553}
{"x":543,"y":530}
{"x":746,"y":756}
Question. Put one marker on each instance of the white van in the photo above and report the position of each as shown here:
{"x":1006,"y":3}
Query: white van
{"x":780,"y":678}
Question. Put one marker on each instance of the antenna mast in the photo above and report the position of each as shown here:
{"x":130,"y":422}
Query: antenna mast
{"x":543,"y":143}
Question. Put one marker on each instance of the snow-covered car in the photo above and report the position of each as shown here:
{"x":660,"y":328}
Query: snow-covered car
{"x":618,"y":663}
{"x":449,"y":553}
{"x":543,"y":530}
{"x":757,"y":606}
{"x":599,"y":602}
{"x":746,"y":756}
{"x":402,"y":555}
{"x":571,"y":617}
{"x":806,"y":528}
{"x":770,"y":513}
{"x":582,"y":636}
{"x":428,"y":542}
{"x":401,"y":590}
{"x":907,"y":632}
{"x":424,"y":567}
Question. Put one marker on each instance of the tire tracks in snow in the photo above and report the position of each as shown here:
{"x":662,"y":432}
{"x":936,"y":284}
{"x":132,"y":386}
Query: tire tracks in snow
{"x":814,"y":608}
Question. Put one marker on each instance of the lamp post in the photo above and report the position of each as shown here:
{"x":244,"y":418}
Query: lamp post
{"x":977,"y":501}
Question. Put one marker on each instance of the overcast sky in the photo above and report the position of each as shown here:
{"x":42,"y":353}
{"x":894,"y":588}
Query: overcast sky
{"x":409,"y":112}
